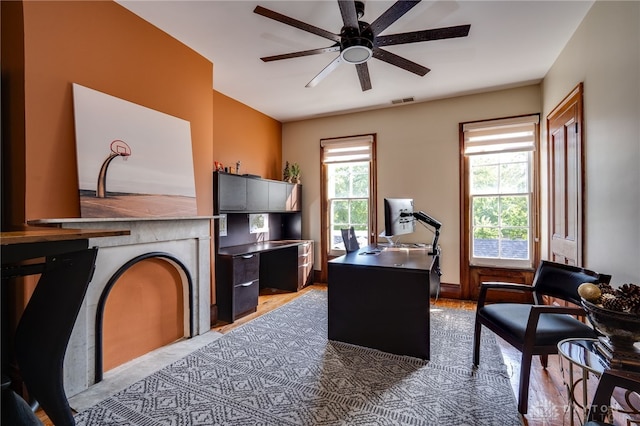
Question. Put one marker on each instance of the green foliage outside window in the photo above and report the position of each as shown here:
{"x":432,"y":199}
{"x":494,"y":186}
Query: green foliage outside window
{"x":349,"y":199}
{"x":500,"y":196}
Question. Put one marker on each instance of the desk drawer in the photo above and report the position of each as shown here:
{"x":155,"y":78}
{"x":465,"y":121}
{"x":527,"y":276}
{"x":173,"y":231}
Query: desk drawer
{"x":305,"y":248}
{"x":305,"y":264}
{"x":246,"y":268}
{"x":305,"y":274}
{"x":245,"y":297}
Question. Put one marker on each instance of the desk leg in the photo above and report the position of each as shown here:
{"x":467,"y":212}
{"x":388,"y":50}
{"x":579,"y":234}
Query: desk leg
{"x":44,"y":330}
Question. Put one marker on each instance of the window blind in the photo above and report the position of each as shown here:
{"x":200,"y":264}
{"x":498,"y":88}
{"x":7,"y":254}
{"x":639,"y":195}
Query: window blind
{"x":347,"y":149}
{"x":503,"y":135}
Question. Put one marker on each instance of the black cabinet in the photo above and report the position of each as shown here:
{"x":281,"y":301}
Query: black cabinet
{"x":258,"y":195}
{"x":277,"y":196}
{"x":246,"y":261}
{"x":232,"y":192}
{"x":247,"y":194}
{"x":237,"y":286}
{"x":294,"y":197}
{"x":289,"y":268}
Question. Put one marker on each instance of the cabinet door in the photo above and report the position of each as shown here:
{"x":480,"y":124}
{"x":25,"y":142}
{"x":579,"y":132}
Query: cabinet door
{"x":294,"y":197}
{"x":232,"y":193}
{"x":258,"y":195}
{"x":277,"y":196}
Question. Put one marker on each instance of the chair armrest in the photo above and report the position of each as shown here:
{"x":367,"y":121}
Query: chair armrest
{"x":554,"y":309}
{"x":537,"y":310}
{"x":496,"y":285}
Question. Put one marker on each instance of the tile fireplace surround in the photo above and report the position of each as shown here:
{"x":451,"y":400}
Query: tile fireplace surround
{"x":185,"y":239}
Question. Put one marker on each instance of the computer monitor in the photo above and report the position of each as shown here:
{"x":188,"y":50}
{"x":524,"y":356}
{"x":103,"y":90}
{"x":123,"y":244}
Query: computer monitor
{"x":398,"y":216}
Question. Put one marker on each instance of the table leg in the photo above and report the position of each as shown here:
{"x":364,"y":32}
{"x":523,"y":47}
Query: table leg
{"x":44,"y":330}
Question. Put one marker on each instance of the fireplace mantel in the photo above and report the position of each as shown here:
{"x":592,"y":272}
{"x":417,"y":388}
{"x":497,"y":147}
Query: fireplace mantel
{"x":187,"y":239}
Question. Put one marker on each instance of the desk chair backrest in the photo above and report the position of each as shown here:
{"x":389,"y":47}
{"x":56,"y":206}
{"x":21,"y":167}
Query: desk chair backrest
{"x":562,"y":281}
{"x":350,"y":240}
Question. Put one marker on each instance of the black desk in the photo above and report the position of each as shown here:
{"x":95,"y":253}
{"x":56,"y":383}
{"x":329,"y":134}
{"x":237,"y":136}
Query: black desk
{"x":381,"y":300}
{"x":42,"y":335}
{"x":242,"y":270}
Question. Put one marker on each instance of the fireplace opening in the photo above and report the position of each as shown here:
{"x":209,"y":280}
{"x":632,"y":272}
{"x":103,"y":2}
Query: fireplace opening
{"x":146,"y":304}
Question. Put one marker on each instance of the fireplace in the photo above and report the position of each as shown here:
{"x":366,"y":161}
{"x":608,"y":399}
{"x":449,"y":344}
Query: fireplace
{"x":185,"y":243}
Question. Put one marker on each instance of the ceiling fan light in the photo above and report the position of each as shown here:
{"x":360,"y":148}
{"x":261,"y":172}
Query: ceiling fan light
{"x":356,"y":54}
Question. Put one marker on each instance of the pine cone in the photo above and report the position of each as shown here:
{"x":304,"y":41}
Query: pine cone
{"x":613,"y":303}
{"x":633,"y":304}
{"x":627,"y":290}
{"x":606,"y":288}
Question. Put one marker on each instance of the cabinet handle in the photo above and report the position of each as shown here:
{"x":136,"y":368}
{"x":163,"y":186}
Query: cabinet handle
{"x":247,"y":256}
{"x":247,"y":284}
{"x":304,"y":255}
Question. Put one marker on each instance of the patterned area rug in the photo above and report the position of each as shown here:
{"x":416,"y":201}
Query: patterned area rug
{"x":280,"y":369}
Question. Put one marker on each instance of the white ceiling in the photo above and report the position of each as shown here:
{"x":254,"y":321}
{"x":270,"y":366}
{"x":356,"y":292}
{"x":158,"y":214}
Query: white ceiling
{"x":511,"y":43}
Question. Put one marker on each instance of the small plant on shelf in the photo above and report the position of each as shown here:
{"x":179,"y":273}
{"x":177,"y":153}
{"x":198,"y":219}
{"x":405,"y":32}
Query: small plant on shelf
{"x":295,"y":173}
{"x":286,"y":173}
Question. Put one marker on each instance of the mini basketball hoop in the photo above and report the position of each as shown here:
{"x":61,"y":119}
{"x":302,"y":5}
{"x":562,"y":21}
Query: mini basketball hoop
{"x":120,"y":147}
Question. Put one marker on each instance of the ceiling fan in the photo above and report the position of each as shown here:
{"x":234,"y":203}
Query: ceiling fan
{"x":360,"y":41}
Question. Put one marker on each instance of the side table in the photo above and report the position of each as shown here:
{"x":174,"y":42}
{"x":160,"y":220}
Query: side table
{"x":579,"y":361}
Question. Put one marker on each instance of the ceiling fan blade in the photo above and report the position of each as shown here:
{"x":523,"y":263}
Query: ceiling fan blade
{"x":295,"y":23}
{"x":391,"y":15}
{"x":399,"y":61}
{"x":334,"y":48}
{"x":425,"y":35}
{"x":325,"y":72}
{"x":363,"y":75}
{"x":349,"y":14}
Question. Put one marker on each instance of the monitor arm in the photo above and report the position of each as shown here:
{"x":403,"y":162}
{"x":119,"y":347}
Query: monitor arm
{"x":427,"y":220}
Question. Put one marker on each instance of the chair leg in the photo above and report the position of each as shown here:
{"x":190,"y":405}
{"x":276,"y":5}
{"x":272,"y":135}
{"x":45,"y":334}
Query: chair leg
{"x":476,"y":343}
{"x":544,"y":360}
{"x":523,"y":389}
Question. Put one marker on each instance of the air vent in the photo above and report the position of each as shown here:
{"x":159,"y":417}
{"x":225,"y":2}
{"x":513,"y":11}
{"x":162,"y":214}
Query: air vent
{"x":402,"y":101}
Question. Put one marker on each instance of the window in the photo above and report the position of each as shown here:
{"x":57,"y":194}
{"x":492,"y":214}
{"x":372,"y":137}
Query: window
{"x":347,"y":168}
{"x":500,"y":189}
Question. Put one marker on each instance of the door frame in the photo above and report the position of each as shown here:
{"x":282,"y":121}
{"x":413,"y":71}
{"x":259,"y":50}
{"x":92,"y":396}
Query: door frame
{"x":574,"y":100}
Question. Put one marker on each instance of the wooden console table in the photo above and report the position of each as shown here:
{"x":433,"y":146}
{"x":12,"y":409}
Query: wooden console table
{"x":379,"y":298}
{"x":43,"y":332}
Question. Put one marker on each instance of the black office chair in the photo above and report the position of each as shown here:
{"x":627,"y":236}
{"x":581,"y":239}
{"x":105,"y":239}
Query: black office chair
{"x":609,"y":381}
{"x":535,"y":328}
{"x":349,"y":239}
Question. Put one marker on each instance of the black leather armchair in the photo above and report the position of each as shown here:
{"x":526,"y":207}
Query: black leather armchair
{"x":536,"y":328}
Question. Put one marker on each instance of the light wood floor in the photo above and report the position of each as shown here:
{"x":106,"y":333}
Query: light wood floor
{"x":547,"y":395}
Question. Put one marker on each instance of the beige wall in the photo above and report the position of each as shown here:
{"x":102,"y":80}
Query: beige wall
{"x":418,"y":157}
{"x":604,"y":53}
{"x":418,"y":144}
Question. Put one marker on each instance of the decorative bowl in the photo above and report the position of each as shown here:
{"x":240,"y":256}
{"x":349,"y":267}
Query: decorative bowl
{"x":622,"y":328}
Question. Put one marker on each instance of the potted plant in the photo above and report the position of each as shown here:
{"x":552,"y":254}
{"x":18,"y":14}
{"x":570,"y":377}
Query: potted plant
{"x":286,"y":173}
{"x":295,"y":173}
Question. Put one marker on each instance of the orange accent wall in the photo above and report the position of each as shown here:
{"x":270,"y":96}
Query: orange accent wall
{"x":103,"y":46}
{"x":242,"y":133}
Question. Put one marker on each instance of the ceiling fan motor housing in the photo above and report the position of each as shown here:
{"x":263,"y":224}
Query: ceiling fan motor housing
{"x":356,"y":45}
